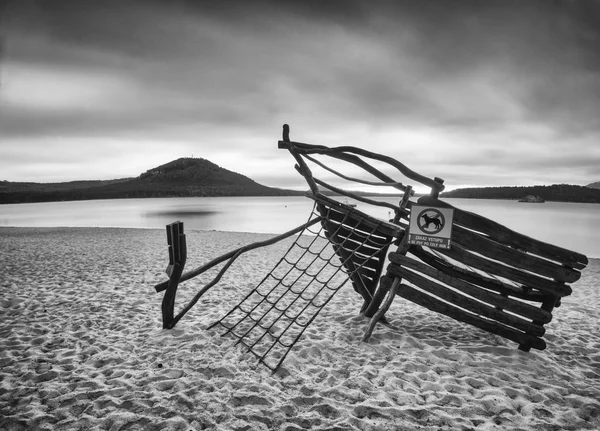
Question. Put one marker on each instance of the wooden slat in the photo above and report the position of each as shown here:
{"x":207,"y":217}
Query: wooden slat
{"x":473,"y":241}
{"x":174,"y":235}
{"x":370,"y":264}
{"x":359,"y":285}
{"x":354,"y":196}
{"x":374,"y":240}
{"x":527,"y":310}
{"x":362,"y":226}
{"x":170,"y":245}
{"x":455,"y":313}
{"x":368,"y":281}
{"x":349,"y":244}
{"x":360,"y":254}
{"x":475,"y":278}
{"x":466,"y":303}
{"x":357,"y":219}
{"x":357,"y":282}
{"x":549,"y":286}
{"x":506,"y":236}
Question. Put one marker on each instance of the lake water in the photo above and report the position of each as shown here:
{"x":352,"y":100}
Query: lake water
{"x":573,"y":226}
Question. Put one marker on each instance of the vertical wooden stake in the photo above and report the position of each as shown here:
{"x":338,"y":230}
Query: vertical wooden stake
{"x":177,"y":259}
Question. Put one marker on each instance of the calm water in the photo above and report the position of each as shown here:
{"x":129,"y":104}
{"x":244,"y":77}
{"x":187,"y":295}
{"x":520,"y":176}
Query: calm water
{"x":573,"y":226}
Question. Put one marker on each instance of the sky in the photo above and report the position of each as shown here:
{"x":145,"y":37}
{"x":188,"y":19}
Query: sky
{"x":479,"y":93}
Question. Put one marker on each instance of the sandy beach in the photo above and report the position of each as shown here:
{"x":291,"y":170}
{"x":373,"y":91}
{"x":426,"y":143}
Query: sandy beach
{"x":82,"y":348}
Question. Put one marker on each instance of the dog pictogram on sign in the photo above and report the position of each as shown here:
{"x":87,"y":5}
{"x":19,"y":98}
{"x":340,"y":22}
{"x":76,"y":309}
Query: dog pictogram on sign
{"x":431,"y":221}
{"x":430,"y":226}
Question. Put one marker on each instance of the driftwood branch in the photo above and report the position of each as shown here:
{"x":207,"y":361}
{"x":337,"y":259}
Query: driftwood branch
{"x":342,"y":153}
{"x":205,"y":289}
{"x":383,"y":228}
{"x":188,"y":275}
{"x":395,"y":184}
{"x":384,"y":307}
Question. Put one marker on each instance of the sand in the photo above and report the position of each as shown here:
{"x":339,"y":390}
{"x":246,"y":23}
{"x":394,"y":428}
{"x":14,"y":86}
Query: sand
{"x":81,"y":347}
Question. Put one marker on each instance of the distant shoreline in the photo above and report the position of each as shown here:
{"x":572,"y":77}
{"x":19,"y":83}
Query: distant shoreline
{"x":565,"y":193}
{"x":301,"y":194}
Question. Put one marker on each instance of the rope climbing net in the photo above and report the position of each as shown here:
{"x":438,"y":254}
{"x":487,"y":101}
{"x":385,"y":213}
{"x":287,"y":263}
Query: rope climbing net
{"x":270,"y":319}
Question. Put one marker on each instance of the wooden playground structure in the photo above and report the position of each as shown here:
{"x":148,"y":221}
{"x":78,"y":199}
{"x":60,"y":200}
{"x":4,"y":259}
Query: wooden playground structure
{"x":484,"y":274}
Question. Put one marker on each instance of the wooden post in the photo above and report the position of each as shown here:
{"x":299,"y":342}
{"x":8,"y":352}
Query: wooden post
{"x":374,"y":309}
{"x":380,"y":312}
{"x":384,"y":308}
{"x":177,"y":258}
{"x":435,"y":191}
{"x":286,"y":133}
{"x":371,"y":308}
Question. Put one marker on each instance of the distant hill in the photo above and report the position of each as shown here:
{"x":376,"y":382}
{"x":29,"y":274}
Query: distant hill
{"x":181,"y":177}
{"x":556,"y":192}
{"x":595,"y":185}
{"x":6,"y":186}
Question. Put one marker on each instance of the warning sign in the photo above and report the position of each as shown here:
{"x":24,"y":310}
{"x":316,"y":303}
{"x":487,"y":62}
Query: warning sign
{"x":430,"y":226}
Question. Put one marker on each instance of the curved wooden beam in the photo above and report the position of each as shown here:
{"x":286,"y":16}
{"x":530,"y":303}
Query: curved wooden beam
{"x":342,"y":153}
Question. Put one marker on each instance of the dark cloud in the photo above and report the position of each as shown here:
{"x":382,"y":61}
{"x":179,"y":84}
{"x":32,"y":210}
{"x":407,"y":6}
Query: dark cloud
{"x":474,"y":82}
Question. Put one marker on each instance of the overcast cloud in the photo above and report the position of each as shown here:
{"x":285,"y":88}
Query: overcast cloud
{"x":476,"y":92}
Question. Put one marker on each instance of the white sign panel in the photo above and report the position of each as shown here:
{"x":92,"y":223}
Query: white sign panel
{"x":430,"y":226}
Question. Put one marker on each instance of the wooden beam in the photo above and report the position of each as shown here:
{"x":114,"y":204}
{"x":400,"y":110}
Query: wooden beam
{"x":455,"y":313}
{"x":476,"y":278}
{"x":465,"y":302}
{"x":504,"y":235}
{"x":550,"y":287}
{"x":232,"y":254}
{"x":478,"y":243}
{"x":349,"y":154}
{"x":513,"y":305}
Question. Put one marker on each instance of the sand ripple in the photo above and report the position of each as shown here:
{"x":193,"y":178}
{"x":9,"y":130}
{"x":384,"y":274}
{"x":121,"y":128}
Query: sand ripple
{"x":81,"y":347}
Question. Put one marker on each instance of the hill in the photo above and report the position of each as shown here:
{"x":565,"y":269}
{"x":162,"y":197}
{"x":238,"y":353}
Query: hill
{"x":595,"y":185}
{"x":181,"y":177}
{"x":555,"y":192}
